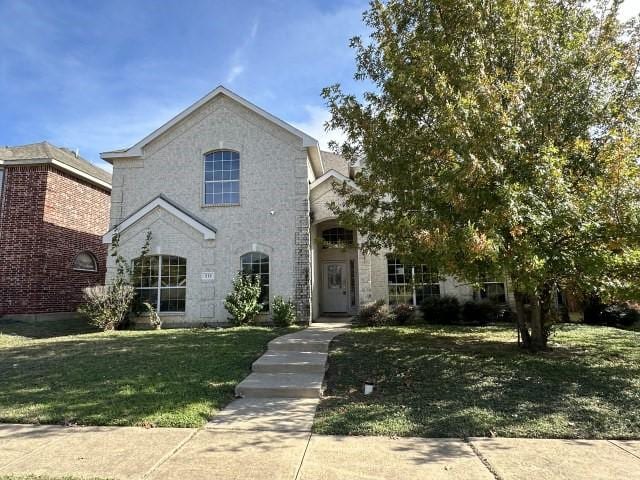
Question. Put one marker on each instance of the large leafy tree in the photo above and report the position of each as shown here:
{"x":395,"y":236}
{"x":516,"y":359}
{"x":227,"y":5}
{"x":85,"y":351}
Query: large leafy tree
{"x":499,"y":137}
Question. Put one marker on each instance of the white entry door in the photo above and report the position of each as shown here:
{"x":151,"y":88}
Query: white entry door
{"x":334,"y":288}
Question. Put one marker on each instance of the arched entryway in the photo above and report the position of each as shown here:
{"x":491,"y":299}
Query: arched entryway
{"x":335,"y":264}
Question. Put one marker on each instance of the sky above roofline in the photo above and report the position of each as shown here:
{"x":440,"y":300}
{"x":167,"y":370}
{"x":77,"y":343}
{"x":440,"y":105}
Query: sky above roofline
{"x":99,"y":76}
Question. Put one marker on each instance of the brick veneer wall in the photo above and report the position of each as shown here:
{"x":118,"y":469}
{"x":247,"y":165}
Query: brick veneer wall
{"x":47,"y":217}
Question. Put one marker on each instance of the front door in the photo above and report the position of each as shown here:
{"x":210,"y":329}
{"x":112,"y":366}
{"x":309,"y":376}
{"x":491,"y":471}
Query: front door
{"x":334,"y":288}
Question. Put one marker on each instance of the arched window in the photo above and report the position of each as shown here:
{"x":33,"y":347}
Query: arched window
{"x":256,"y":263}
{"x":85,"y":262}
{"x":222,"y":178}
{"x":161,"y":280}
{"x":337,"y":237}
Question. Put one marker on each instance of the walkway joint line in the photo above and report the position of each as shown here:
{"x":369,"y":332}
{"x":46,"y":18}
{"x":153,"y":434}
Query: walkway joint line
{"x":304,"y":454}
{"x":483,"y":459}
{"x":623,"y":449}
{"x":171,"y":453}
{"x":41,"y":447}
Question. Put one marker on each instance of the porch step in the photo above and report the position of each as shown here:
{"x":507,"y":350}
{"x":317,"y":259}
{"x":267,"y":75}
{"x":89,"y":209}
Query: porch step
{"x":291,"y":362}
{"x":290,"y":385}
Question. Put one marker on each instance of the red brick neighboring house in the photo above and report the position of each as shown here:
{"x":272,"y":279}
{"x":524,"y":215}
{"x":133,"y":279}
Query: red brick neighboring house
{"x":54,"y":209}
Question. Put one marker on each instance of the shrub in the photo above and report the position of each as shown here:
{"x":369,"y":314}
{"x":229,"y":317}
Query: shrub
{"x":374,"y":314}
{"x":283,"y":313}
{"x":443,"y":310}
{"x":243,"y":300}
{"x":620,"y":315}
{"x":481,"y":312}
{"x":107,"y":306}
{"x":402,"y":313}
{"x":613,"y":315}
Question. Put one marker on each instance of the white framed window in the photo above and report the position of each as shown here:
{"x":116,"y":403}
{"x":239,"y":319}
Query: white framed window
{"x":492,"y":290}
{"x":411,"y":284}
{"x":1,"y":181}
{"x":222,"y":178}
{"x":161,"y":280}
{"x":256,"y":263}
{"x":85,"y":262}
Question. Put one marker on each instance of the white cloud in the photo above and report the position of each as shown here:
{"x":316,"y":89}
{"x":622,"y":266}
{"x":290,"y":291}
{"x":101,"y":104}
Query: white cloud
{"x":235,"y":71}
{"x":238,"y":57}
{"x":315,"y":126}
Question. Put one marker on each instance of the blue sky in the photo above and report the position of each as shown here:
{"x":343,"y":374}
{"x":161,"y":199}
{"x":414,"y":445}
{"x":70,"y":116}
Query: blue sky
{"x":100,"y":75}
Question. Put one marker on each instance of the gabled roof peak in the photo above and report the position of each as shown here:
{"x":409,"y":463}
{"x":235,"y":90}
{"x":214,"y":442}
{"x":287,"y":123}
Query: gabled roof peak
{"x":136,"y":150}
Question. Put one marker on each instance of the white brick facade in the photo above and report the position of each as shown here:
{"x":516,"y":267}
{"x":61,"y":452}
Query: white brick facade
{"x":285,"y":188}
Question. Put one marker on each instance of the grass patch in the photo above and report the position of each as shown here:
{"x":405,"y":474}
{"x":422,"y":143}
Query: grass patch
{"x":164,"y":378}
{"x":438,"y":381}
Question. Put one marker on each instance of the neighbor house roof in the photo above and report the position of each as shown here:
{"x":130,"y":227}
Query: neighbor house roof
{"x":136,"y":150}
{"x":161,"y":201}
{"x":45,"y":153}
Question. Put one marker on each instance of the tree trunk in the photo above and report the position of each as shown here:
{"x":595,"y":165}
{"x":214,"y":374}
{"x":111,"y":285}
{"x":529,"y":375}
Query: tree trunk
{"x":521,"y":317}
{"x":537,"y":330}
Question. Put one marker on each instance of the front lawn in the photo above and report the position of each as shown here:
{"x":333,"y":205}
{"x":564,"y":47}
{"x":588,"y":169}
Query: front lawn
{"x":439,"y":381}
{"x":164,"y":378}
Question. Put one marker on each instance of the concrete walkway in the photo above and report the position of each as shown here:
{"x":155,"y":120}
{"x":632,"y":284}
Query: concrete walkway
{"x":267,"y":434}
{"x":215,"y":453}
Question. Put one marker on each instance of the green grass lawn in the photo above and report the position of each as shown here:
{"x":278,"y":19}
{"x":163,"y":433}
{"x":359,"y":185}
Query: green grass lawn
{"x":438,"y":381}
{"x":166,"y":378}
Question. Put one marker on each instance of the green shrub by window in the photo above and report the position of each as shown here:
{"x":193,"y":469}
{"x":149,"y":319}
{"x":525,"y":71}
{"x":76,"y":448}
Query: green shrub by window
{"x":374,"y":314}
{"x":482,"y":312}
{"x":444,"y":310}
{"x":402,"y":313}
{"x":283,"y":313}
{"x":243,"y":302}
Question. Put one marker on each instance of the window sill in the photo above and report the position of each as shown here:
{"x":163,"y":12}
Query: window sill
{"x":84,"y":270}
{"x":218,"y":205}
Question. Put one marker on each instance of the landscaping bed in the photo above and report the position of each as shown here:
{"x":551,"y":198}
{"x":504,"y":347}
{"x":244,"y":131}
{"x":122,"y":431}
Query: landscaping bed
{"x":457,"y":381}
{"x":162,"y":378}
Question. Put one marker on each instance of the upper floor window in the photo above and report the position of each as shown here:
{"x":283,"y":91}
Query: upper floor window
{"x":1,"y":181}
{"x":161,"y":280}
{"x":85,"y":261}
{"x":411,"y":284}
{"x":256,"y":263}
{"x":222,"y":178}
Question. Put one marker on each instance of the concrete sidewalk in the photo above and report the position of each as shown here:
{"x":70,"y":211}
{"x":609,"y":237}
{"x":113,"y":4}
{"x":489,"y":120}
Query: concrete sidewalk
{"x":212,"y":453}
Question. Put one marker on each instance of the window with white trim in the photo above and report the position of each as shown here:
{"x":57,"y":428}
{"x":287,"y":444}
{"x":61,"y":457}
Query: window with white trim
{"x":411,"y":284}
{"x":492,"y":290}
{"x":85,"y":262}
{"x":161,"y":280}
{"x":222,"y":178}
{"x":256,"y":263}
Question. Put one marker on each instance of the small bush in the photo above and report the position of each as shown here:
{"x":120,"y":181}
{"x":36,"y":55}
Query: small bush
{"x":402,"y":313}
{"x":107,"y":306}
{"x":481,"y":312}
{"x":243,"y":300}
{"x":445,"y":310}
{"x":620,"y":315}
{"x":283,"y":313}
{"x":374,"y":314}
{"x":613,"y":315}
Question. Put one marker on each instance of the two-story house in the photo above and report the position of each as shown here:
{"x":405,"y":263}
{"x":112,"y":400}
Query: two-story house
{"x":54,"y":209}
{"x":226,"y":187}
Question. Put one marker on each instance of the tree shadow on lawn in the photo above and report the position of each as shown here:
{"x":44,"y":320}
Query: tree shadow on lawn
{"x":465,"y":384}
{"x":166,"y":378}
{"x":46,"y":328}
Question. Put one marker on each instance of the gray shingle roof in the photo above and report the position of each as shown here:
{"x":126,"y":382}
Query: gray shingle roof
{"x":335,"y":162}
{"x":45,"y":151}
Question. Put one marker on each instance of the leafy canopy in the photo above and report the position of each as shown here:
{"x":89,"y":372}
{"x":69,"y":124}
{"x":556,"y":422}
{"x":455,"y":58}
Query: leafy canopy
{"x":500,"y":137}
